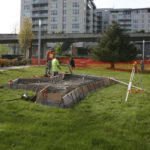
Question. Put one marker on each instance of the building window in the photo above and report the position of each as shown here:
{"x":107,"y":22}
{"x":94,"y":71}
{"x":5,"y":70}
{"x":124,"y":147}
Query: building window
{"x":64,"y":12}
{"x":135,"y":21}
{"x":64,"y":19}
{"x":54,"y":0}
{"x":44,"y":21}
{"x":36,"y":21}
{"x":134,"y":30}
{"x":115,"y":17}
{"x":144,"y":11}
{"x":135,"y":26}
{"x":27,"y":14}
{"x":75,"y":5}
{"x":75,"y":31}
{"x":136,"y":11}
{"x":54,"y":5}
{"x":64,"y":5}
{"x":64,"y":26}
{"x":53,"y":19}
{"x":53,"y":26}
{"x":75,"y":26}
{"x":26,"y":1}
{"x":75,"y":11}
{"x":75,"y":19}
{"x":53,"y":12}
{"x":26,"y":7}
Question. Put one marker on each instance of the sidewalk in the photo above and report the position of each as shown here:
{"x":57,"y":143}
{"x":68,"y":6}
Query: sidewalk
{"x":13,"y":67}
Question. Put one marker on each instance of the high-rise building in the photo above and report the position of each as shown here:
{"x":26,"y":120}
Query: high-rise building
{"x":103,"y":21}
{"x":69,"y":16}
{"x":132,"y":20}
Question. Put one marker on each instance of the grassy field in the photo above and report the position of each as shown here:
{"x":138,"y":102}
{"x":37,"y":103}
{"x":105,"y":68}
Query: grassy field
{"x":101,"y":121}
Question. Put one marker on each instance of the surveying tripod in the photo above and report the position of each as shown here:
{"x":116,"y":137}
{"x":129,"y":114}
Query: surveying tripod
{"x":139,"y":90}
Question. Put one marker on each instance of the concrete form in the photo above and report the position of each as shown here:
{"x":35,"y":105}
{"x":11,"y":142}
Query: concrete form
{"x":62,"y":91}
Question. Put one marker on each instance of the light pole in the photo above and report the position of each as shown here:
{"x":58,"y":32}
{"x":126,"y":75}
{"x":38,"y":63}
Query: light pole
{"x":39,"y":43}
{"x":143,"y":48}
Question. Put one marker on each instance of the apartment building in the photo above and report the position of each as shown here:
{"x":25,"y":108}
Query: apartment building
{"x":103,"y":15}
{"x":68,"y":16}
{"x":132,"y":20}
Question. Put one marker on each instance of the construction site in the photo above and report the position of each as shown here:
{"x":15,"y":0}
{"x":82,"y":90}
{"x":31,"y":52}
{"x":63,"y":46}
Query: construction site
{"x":64,"y":90}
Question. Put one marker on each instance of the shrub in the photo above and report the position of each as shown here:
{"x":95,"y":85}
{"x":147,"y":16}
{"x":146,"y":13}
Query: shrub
{"x":25,"y":62}
{"x":4,"y":62}
{"x":15,"y":62}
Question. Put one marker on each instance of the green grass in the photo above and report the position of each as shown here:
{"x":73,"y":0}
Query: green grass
{"x":101,"y":121}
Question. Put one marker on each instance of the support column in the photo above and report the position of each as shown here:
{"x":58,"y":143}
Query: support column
{"x":43,"y":50}
{"x":30,"y":51}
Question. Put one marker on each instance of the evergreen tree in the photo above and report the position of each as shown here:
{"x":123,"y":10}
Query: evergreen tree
{"x":114,"y":46}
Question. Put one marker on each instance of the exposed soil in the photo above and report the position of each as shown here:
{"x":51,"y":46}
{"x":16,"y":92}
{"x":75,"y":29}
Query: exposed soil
{"x":64,"y":86}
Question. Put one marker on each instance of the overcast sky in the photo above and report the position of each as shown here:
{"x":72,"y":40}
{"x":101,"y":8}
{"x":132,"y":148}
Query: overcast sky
{"x":10,"y":11}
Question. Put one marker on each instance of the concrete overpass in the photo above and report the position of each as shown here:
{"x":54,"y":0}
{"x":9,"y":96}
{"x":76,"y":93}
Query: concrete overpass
{"x":13,"y":38}
{"x":69,"y":37}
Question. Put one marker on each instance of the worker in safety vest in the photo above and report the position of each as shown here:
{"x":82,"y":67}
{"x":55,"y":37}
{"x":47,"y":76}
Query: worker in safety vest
{"x":49,"y":57}
{"x":135,"y":66}
{"x":55,"y":66}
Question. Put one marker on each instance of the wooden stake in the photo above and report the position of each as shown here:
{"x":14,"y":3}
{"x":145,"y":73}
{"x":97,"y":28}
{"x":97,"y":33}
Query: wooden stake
{"x":130,"y":83}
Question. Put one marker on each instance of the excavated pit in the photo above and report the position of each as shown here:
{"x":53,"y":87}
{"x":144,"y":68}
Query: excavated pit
{"x":64,"y":90}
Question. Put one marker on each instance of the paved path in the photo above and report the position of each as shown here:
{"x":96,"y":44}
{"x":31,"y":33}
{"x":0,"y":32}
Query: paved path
{"x":13,"y":67}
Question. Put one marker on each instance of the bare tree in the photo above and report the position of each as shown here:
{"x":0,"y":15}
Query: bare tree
{"x":26,"y":35}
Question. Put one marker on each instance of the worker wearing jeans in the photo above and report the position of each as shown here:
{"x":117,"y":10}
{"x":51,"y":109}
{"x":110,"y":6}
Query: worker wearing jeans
{"x":55,"y":66}
{"x":49,"y":56}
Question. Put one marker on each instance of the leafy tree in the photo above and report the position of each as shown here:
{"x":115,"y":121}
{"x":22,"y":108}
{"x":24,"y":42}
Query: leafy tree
{"x":26,"y":35}
{"x":3,"y":49}
{"x":58,"y":50}
{"x":66,"y":46}
{"x":114,"y":46}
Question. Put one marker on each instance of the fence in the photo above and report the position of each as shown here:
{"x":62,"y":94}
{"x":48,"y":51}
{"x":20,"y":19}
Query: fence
{"x":84,"y":62}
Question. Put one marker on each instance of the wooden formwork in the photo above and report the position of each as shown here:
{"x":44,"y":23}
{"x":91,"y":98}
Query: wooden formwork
{"x":70,"y":99}
{"x":67,"y":97}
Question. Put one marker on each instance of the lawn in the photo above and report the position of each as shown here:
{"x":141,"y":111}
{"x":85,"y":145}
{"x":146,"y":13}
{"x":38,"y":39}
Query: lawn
{"x":101,"y":121}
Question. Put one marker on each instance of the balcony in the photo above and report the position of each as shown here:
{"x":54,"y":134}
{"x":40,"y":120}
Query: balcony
{"x":40,"y":2}
{"x":88,"y":13}
{"x":87,"y":20}
{"x":40,"y":16}
{"x":124,"y":19}
{"x":37,"y":22}
{"x":40,"y":9}
{"x":37,"y":29}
